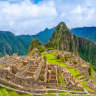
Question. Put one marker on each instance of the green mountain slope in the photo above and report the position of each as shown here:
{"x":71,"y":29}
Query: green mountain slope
{"x":9,"y":44}
{"x":63,"y":39}
{"x":86,"y":32}
{"x":34,"y":44}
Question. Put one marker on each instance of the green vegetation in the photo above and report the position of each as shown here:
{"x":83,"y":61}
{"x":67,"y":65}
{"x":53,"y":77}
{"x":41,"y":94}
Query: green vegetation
{"x":51,"y":59}
{"x":86,"y":32}
{"x":48,"y":95}
{"x":82,"y":95}
{"x":62,"y":94}
{"x":44,"y":57}
{"x":1,"y":93}
{"x":34,"y":44}
{"x":61,"y":80}
{"x":6,"y":85}
{"x":9,"y":44}
{"x":41,"y":48}
{"x":87,"y":88}
{"x":86,"y":48}
{"x":58,"y":57}
{"x":25,"y":95}
{"x":20,"y":44}
{"x":73,"y":71}
{"x":13,"y":93}
{"x":4,"y":92}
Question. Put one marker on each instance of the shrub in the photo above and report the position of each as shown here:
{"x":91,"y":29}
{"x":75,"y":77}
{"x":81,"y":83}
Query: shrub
{"x":58,"y":57}
{"x":89,"y":70}
{"x":44,"y":57}
{"x":75,"y":62}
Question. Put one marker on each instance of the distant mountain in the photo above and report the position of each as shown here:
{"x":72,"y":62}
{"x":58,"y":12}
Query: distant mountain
{"x":44,"y":36}
{"x":9,"y":43}
{"x":63,"y":39}
{"x":86,"y":32}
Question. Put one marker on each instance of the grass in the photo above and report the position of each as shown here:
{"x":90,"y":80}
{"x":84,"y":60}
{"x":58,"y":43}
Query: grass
{"x":6,"y":85}
{"x":87,"y":88}
{"x":77,"y":90}
{"x":62,"y":94}
{"x":1,"y":93}
{"x":48,"y":95}
{"x":60,"y":80}
{"x":13,"y":93}
{"x":50,"y":58}
{"x":81,"y":95}
{"x":73,"y":71}
{"x":25,"y":95}
{"x":4,"y":92}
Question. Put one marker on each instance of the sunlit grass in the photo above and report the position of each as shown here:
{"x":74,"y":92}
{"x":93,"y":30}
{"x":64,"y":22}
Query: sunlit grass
{"x":1,"y":93}
{"x":60,"y":80}
{"x":4,"y":92}
{"x":52,"y":60}
{"x":48,"y":95}
{"x":13,"y":93}
{"x":25,"y":95}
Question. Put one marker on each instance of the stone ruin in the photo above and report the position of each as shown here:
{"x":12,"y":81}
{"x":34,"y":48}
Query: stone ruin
{"x":29,"y":73}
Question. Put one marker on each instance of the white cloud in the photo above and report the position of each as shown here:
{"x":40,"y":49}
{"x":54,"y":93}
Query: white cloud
{"x":24,"y":17}
{"x":24,"y":14}
{"x":78,"y":10}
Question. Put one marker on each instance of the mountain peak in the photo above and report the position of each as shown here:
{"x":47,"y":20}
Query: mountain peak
{"x":62,"y":24}
{"x":62,"y":38}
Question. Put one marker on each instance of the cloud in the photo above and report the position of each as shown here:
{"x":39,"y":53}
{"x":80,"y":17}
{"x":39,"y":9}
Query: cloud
{"x":78,"y":10}
{"x":17,"y":17}
{"x":27,"y":17}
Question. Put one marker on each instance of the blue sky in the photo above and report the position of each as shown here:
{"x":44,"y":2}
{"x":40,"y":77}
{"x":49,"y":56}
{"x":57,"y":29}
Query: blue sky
{"x":33,"y":16}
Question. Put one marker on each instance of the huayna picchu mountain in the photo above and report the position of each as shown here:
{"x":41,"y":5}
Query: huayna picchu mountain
{"x":63,"y":39}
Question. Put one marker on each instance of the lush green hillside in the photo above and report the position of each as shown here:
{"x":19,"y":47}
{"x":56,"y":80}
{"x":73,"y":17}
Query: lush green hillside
{"x":86,"y":32}
{"x":45,"y":35}
{"x":25,"y":40}
{"x":63,"y":39}
{"x":9,"y":44}
{"x":34,"y":44}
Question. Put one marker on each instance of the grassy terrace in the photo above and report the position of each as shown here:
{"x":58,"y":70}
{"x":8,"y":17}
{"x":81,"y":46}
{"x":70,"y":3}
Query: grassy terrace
{"x":4,"y":92}
{"x":51,"y":59}
{"x":60,"y":80}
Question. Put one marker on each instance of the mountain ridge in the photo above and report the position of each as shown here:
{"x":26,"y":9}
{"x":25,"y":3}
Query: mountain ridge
{"x":67,"y":41}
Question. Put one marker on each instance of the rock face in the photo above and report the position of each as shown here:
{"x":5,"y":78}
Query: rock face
{"x":63,"y":39}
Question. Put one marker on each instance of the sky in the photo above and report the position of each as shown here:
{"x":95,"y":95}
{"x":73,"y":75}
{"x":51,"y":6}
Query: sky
{"x":32,"y":16}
